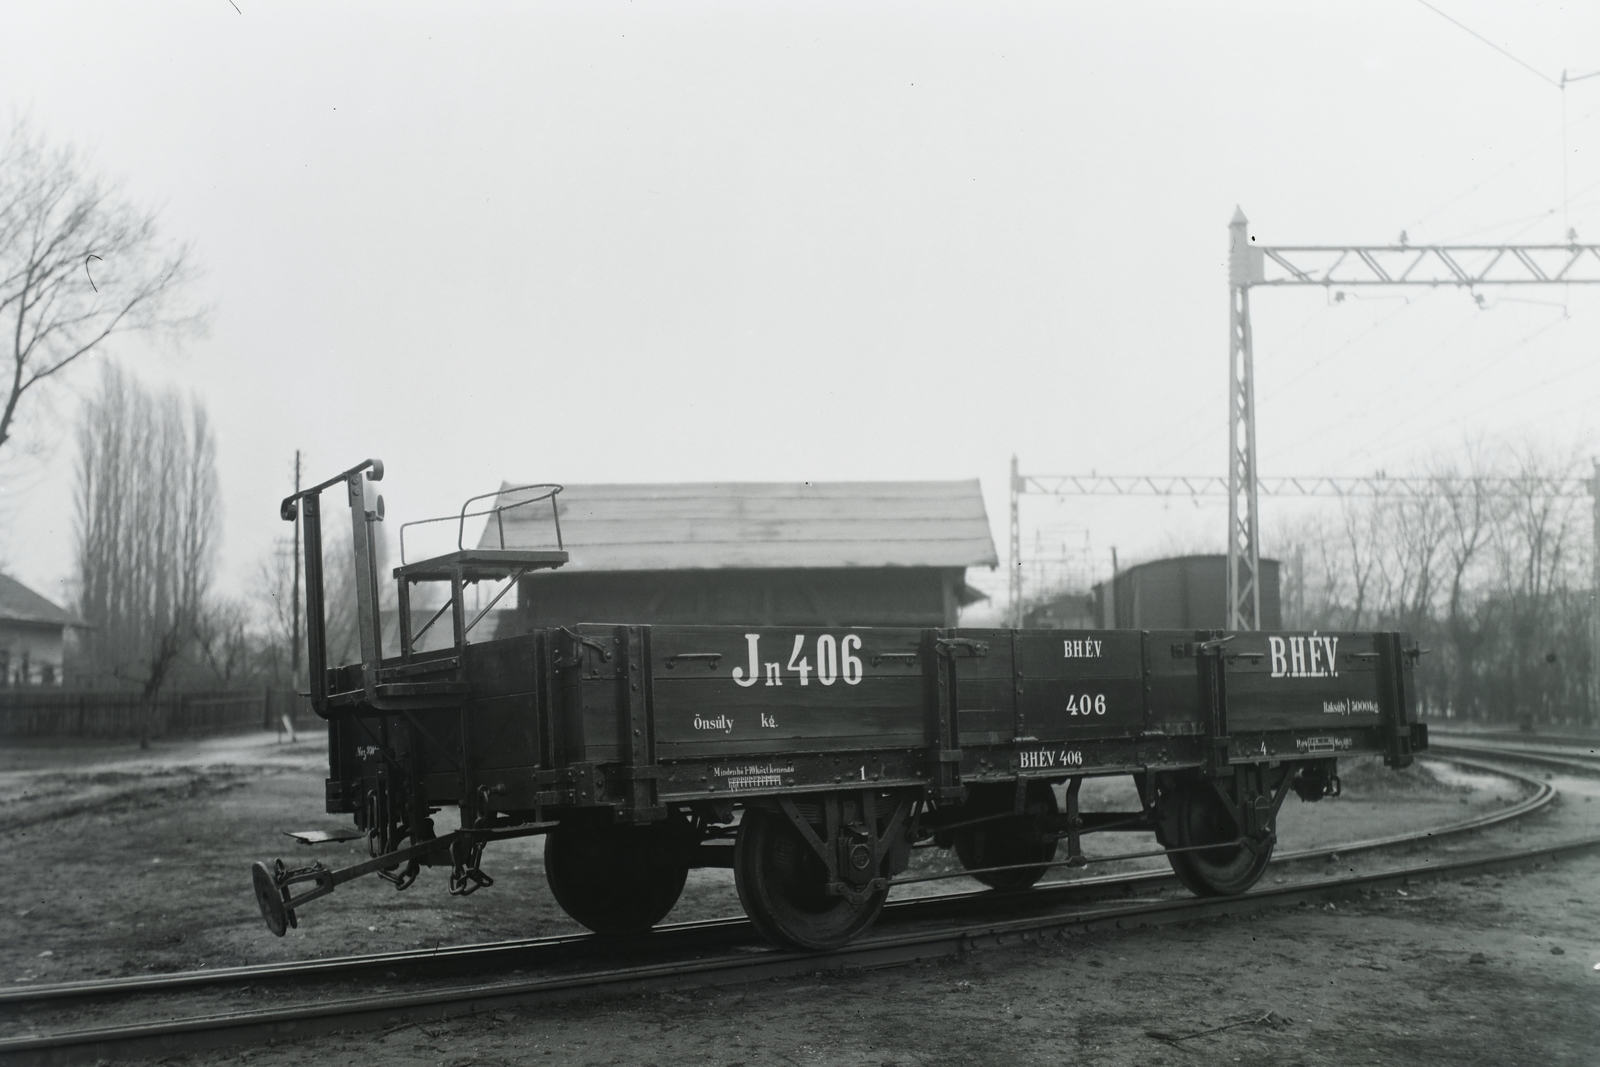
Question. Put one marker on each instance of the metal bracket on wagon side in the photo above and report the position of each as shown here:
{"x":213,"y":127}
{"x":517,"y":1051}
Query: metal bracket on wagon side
{"x":1256,"y":810}
{"x":961,"y":648}
{"x":851,"y":865}
{"x":1212,"y":677}
{"x":944,"y":763}
{"x":823,"y":852}
{"x":1396,"y":698}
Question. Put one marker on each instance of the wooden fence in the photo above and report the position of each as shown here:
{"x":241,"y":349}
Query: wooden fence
{"x":44,"y":712}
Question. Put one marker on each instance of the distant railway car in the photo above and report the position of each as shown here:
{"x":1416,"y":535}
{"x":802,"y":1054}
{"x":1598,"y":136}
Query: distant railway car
{"x":1183,"y":592}
{"x":810,"y":759}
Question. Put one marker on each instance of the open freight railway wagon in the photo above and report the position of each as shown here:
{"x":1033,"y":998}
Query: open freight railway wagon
{"x":809,"y":760}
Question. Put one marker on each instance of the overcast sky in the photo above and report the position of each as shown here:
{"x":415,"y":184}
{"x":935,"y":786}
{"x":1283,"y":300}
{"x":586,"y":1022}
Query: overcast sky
{"x":699,"y":242}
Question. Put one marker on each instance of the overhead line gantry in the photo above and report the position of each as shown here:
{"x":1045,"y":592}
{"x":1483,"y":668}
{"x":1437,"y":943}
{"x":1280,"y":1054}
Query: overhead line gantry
{"x":1252,"y":266}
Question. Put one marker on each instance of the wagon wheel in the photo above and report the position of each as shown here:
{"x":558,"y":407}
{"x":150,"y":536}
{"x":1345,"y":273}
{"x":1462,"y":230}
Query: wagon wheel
{"x":1224,"y":871}
{"x":616,"y":879}
{"x":1007,"y":841}
{"x":783,"y":886}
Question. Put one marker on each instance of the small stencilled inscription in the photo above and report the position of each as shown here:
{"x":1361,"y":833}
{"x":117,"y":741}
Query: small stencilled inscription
{"x":1314,"y":745}
{"x":1045,"y":758}
{"x":1349,"y":707}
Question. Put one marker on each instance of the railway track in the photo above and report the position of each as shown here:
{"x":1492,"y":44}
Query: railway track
{"x":1582,"y":758}
{"x":713,"y":952}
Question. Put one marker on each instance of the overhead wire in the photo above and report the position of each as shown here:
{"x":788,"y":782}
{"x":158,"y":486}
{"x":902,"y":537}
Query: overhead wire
{"x":1524,"y":65}
{"x":1496,"y":402}
{"x":1546,"y":213}
{"x":1322,"y":431}
{"x":1400,"y":399}
{"x":1523,"y":218}
{"x":1367,"y":447}
{"x":1452,"y":417}
{"x":1423,"y":219}
{"x":1560,"y":86}
{"x":1209,"y":406}
{"x":1346,"y":346}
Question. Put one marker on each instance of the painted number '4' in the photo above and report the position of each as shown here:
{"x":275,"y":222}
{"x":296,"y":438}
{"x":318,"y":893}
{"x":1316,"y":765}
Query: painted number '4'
{"x":798,"y":663}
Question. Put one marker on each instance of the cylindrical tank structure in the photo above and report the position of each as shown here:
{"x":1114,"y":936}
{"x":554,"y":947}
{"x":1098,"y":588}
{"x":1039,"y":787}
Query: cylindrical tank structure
{"x":1183,"y":593}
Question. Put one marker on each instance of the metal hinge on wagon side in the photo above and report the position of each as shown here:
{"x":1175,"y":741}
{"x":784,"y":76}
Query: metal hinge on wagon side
{"x":1210,"y":647}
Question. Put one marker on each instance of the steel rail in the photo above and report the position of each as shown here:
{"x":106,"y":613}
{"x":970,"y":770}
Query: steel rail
{"x":1515,"y":737}
{"x":710,"y":932}
{"x":300,"y":1021}
{"x":1576,"y":763}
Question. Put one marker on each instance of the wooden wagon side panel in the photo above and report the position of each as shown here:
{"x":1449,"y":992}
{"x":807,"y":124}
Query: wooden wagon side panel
{"x":735,"y":691}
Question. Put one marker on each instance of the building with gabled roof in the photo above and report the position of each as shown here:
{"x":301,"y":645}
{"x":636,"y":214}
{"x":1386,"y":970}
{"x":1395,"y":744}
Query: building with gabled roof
{"x":748,"y":553}
{"x":32,"y":636}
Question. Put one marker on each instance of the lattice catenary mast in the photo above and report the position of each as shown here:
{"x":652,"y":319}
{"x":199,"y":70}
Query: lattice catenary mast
{"x":1251,"y":267}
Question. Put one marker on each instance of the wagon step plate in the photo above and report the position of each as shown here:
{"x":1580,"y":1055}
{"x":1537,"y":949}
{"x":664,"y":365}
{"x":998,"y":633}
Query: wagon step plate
{"x":323,"y":837}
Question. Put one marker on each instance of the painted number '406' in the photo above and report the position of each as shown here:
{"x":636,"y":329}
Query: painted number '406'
{"x":835,"y":659}
{"x":1087,"y":704}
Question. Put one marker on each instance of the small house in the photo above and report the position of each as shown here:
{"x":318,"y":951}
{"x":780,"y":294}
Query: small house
{"x":32,"y":636}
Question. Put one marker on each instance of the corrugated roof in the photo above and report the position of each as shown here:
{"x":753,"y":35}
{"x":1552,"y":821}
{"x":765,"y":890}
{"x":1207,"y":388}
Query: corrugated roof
{"x":18,"y":603}
{"x":757,"y":524}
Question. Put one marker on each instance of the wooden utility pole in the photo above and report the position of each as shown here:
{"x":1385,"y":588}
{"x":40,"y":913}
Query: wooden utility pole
{"x":1594,"y":602}
{"x":294,"y":639}
{"x":1014,"y":605}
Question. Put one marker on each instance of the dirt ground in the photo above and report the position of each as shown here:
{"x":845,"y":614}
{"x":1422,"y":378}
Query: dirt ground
{"x":126,"y":862}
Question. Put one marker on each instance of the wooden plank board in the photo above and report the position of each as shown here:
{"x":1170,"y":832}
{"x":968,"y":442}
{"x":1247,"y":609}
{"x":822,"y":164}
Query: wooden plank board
{"x":1302,"y":681}
{"x":1172,"y":684}
{"x":985,"y":696}
{"x":785,"y":689}
{"x":1079,"y":684}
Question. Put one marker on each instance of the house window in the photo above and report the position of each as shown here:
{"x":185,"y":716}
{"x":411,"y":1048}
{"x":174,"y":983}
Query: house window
{"x":47,"y":674}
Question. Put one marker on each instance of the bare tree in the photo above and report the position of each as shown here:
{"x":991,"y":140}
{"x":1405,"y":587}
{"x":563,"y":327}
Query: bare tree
{"x":1490,"y":570}
{"x":1412,"y":536}
{"x":1470,"y":514}
{"x":272,"y":599}
{"x":224,"y":643}
{"x":1361,"y":540}
{"x":146,"y":527}
{"x":1533,"y":556}
{"x":78,"y":264}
